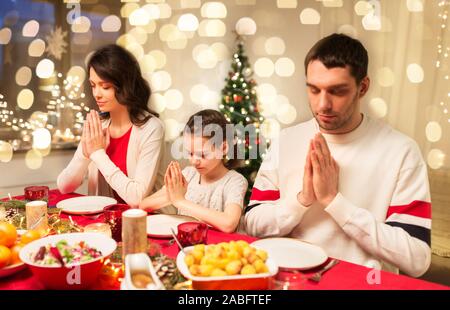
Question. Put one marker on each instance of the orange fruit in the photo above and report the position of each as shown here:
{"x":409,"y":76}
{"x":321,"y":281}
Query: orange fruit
{"x":5,"y":256}
{"x":14,"y":259}
{"x":8,"y":234}
{"x":29,"y":236}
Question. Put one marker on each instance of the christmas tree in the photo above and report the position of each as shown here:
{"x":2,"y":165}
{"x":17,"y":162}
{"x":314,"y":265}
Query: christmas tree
{"x":240,"y":107}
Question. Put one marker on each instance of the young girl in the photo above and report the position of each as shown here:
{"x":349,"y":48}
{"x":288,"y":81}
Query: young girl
{"x":208,"y":190}
{"x":120,"y":153}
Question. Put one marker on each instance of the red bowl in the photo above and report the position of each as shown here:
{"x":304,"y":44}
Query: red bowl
{"x":75,"y":276}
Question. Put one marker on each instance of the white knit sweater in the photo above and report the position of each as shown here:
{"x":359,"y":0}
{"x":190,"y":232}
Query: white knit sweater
{"x":381,"y":216}
{"x":144,"y":152}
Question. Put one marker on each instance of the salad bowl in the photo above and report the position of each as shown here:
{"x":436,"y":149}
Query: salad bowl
{"x":68,"y":261}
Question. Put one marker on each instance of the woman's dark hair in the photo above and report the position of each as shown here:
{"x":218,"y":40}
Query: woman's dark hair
{"x":340,"y":50}
{"x":209,"y":122}
{"x":119,"y":67}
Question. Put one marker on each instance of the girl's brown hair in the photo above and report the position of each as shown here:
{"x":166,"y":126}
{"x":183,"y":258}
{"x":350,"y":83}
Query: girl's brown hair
{"x":206,"y":123}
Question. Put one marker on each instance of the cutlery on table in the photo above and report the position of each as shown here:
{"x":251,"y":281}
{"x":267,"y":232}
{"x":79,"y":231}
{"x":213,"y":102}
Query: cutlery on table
{"x":91,"y":217}
{"x":316,"y":277}
{"x":174,"y":235}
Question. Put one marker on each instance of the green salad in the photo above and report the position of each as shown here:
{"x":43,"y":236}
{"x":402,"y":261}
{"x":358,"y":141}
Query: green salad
{"x":62,"y":254}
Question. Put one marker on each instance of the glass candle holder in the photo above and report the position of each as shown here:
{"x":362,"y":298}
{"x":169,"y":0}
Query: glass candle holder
{"x":113,"y":217}
{"x":102,"y":228}
{"x":36,"y":215}
{"x":287,"y":281}
{"x":191,"y":233}
{"x":36,"y":193}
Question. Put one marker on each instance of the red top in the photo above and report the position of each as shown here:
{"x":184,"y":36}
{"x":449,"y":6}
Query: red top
{"x":117,"y":152}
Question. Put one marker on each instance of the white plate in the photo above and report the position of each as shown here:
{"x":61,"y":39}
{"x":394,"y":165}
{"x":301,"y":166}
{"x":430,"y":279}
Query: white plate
{"x":292,"y":253}
{"x":159,"y":225}
{"x":85,"y":204}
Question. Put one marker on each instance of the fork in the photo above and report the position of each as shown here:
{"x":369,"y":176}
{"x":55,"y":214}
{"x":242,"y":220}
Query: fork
{"x":316,"y":277}
{"x":92,"y":217}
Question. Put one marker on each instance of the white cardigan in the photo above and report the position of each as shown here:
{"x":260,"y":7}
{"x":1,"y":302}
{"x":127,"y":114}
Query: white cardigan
{"x":145,"y":149}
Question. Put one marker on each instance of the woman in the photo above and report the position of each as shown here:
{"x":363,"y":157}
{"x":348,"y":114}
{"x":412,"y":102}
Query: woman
{"x":120,"y":152}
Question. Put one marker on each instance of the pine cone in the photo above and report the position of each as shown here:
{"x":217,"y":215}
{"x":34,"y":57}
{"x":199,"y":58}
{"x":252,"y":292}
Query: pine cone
{"x":167,"y":271}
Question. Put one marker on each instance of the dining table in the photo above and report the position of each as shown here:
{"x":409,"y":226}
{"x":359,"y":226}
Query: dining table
{"x":343,"y":276}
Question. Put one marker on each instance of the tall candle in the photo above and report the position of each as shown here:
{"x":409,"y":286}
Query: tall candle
{"x":36,"y":215}
{"x":134,"y":231}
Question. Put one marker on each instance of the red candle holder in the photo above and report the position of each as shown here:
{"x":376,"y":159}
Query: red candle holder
{"x":36,"y":193}
{"x":191,"y":233}
{"x":113,"y":216}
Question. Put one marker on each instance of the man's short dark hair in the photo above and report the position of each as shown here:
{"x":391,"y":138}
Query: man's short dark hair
{"x":340,"y":50}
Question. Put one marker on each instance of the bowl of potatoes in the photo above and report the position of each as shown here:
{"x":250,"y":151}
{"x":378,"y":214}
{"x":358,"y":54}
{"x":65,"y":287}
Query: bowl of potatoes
{"x":233,"y":265}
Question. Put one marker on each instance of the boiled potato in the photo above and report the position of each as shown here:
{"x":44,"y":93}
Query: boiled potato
{"x":189,"y":260}
{"x":247,"y":251}
{"x":251,"y":258}
{"x":194,"y":270}
{"x":262,"y":254}
{"x":222,"y":263}
{"x":205,"y":270}
{"x":224,"y":245}
{"x":233,"y":267}
{"x":234,"y":248}
{"x":218,"y":273}
{"x":242,"y":243}
{"x":211,"y":249}
{"x":208,"y":259}
{"x":233,"y":254}
{"x":248,"y":269}
{"x":259,"y":266}
{"x":199,"y":247}
{"x":198,"y":255}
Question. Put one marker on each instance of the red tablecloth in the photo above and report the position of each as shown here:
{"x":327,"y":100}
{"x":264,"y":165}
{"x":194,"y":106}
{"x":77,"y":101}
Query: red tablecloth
{"x":344,"y":276}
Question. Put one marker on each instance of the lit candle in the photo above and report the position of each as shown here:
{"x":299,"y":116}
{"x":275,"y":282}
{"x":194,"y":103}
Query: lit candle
{"x":134,"y":231}
{"x":102,"y":228}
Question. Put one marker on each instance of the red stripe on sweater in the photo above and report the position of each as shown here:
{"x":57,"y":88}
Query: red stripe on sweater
{"x":264,"y":195}
{"x":416,"y":208}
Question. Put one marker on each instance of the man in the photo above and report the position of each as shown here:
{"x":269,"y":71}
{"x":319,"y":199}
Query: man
{"x":362,"y":193}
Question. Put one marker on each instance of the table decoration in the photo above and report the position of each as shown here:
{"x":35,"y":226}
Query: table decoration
{"x":32,"y":193}
{"x":36,"y":215}
{"x":102,"y":228}
{"x":191,"y":233}
{"x":113,"y":217}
